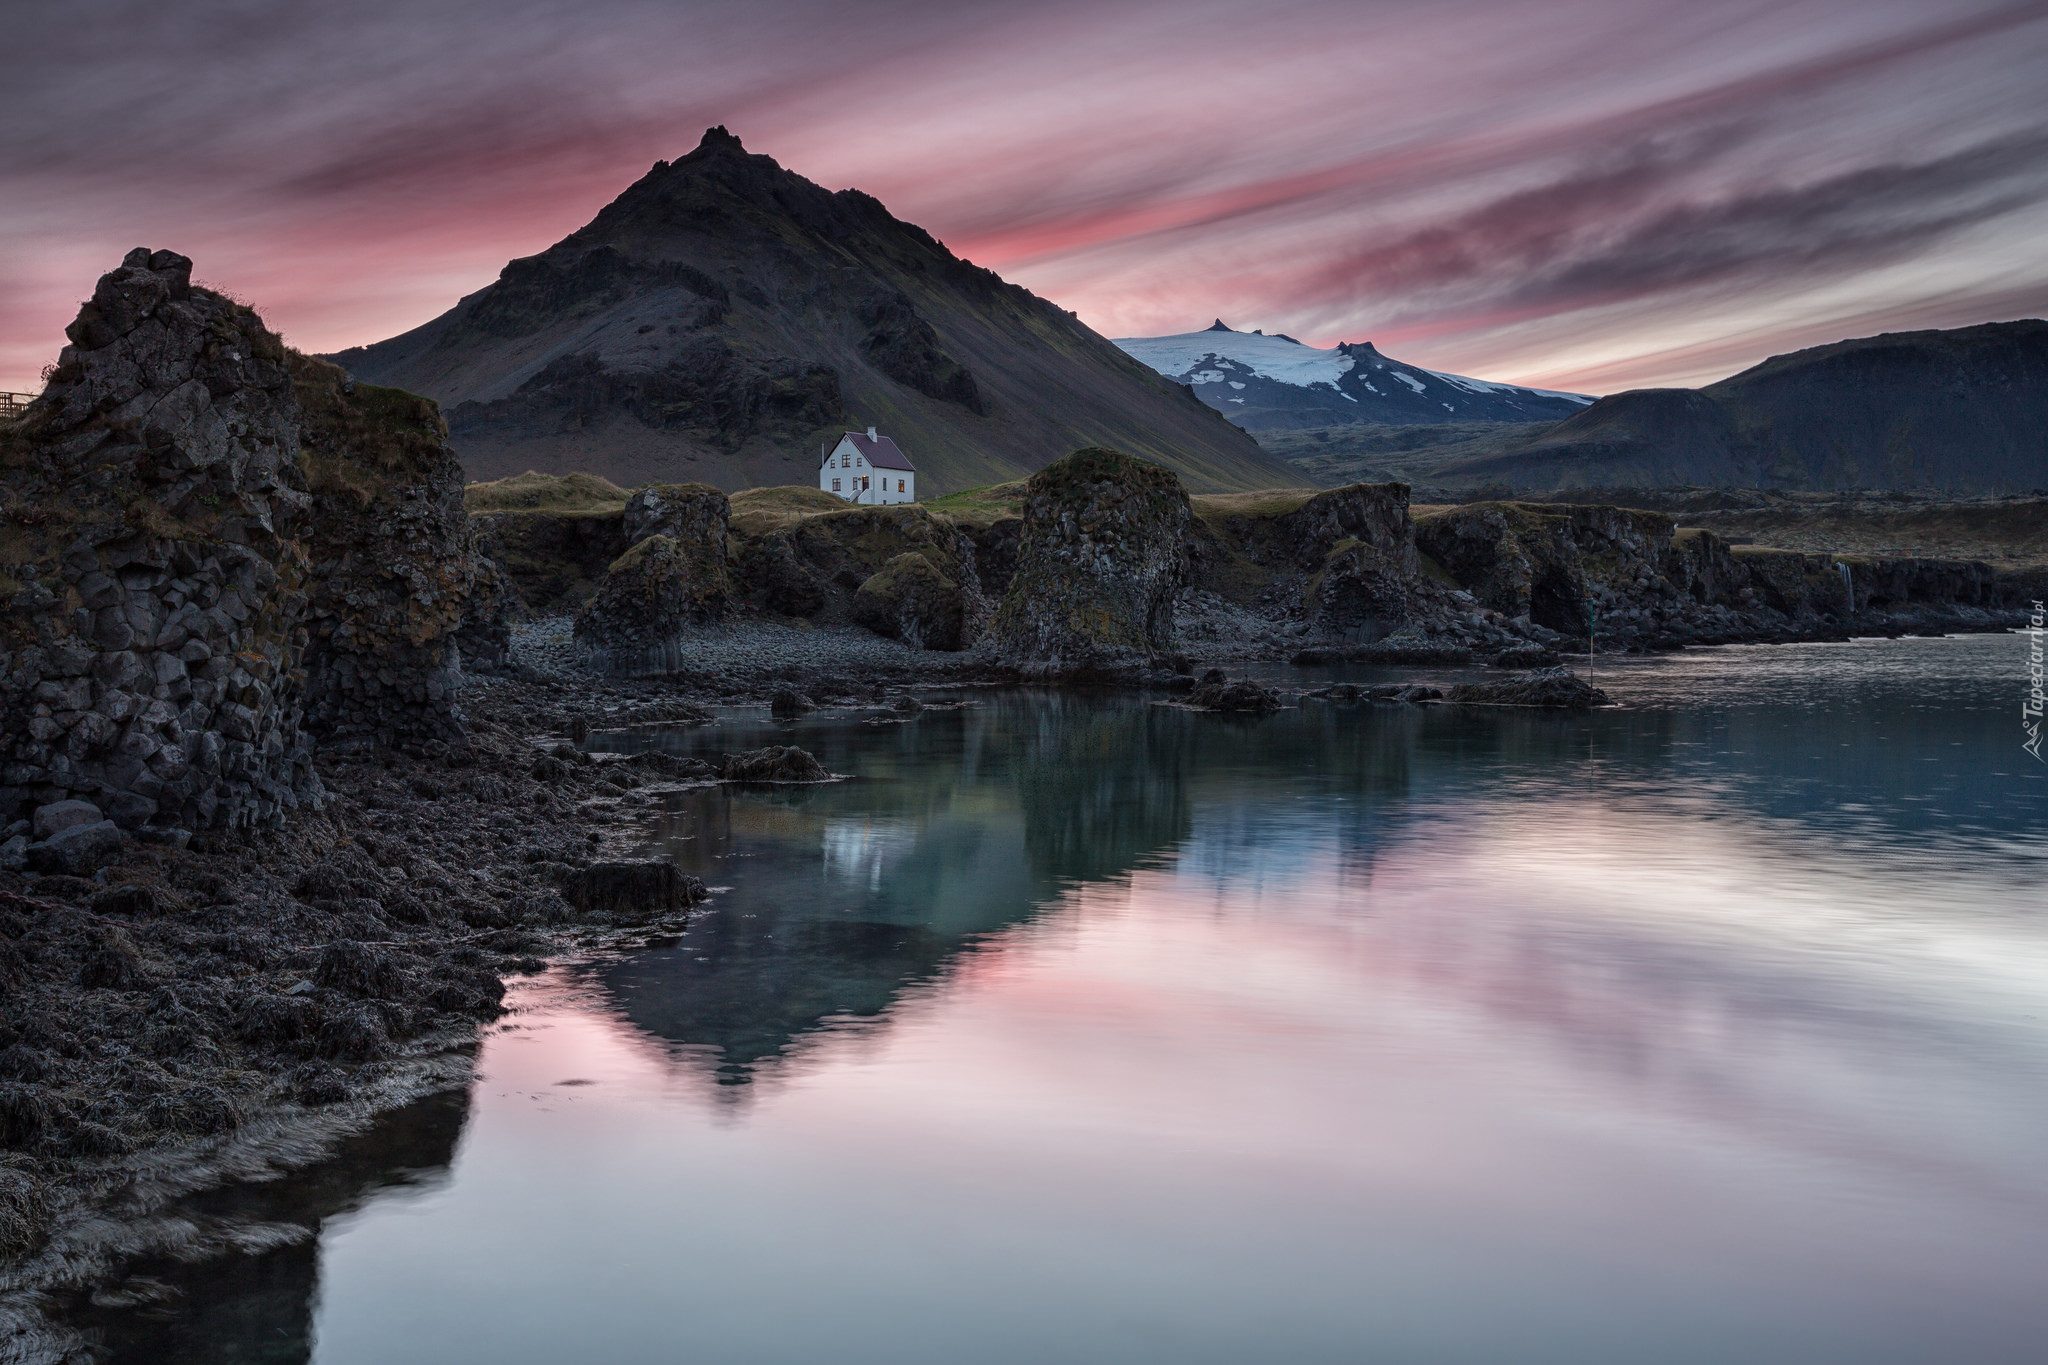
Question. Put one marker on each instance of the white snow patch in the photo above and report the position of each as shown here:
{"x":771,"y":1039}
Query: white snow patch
{"x":1200,"y":358}
{"x":1488,"y":386}
{"x":1289,"y":362}
{"x":1235,"y":384}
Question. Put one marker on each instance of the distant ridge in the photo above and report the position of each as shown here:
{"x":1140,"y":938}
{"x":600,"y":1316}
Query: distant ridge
{"x":1269,"y":383}
{"x":1964,"y":410}
{"x":723,"y":316}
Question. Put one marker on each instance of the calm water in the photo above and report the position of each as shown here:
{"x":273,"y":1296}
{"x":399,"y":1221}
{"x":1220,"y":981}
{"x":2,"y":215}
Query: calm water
{"x":1712,"y":1029}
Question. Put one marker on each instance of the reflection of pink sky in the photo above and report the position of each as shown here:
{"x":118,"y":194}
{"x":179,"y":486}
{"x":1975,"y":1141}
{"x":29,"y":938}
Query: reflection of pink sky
{"x":1687,"y":1064}
{"x":1580,"y":193}
{"x":1710,"y":979}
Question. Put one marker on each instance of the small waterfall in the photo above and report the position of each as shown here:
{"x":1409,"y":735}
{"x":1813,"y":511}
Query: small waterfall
{"x":1848,"y":585}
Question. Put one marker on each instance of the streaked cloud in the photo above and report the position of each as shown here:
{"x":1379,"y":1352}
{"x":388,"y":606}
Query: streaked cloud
{"x":1578,"y":193}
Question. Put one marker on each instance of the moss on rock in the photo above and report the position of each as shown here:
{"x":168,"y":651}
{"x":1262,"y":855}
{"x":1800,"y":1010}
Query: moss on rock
{"x":911,"y":600}
{"x":1104,"y":549}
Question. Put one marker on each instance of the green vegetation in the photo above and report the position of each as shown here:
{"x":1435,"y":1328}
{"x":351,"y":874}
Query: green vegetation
{"x":568,"y":494}
{"x":360,"y":438}
{"x":978,"y":507}
{"x":1216,"y":508}
{"x":758,"y":511}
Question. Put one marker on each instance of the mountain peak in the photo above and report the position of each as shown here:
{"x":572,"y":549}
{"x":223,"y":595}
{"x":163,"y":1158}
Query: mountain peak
{"x":1216,"y":326}
{"x":716,"y":139}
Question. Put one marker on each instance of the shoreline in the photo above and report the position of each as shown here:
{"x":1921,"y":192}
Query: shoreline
{"x":192,"y":1044}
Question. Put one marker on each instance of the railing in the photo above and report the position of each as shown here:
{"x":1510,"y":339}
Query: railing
{"x":14,"y":404}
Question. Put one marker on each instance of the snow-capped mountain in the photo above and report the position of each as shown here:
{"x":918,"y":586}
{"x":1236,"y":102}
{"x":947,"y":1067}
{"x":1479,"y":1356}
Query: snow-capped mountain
{"x":1264,"y":382}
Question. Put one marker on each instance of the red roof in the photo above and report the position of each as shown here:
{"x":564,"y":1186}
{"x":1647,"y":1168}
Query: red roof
{"x":881,"y":452}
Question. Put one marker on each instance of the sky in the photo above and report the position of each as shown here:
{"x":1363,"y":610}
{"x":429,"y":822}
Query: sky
{"x":1579,"y":194}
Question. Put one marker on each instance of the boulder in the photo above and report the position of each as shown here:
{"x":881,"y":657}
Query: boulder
{"x":1103,"y":551}
{"x":911,"y":600}
{"x":77,"y":850}
{"x":1547,"y":687}
{"x":774,"y":763}
{"x":632,"y":890}
{"x":62,"y":815}
{"x":1241,"y":696}
{"x":788,"y":704}
{"x":661,"y":587}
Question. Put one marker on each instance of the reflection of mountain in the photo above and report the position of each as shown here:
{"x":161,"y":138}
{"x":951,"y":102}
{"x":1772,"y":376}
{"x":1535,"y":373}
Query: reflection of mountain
{"x":259,"y":1308}
{"x":964,"y":824}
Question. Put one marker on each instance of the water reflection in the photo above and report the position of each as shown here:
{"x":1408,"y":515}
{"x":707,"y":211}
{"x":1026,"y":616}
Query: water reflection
{"x":966,"y":823}
{"x":1081,"y":1029}
{"x":258,"y":1306}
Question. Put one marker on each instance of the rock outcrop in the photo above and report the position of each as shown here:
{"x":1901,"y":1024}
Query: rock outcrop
{"x":856,"y":565}
{"x":694,"y":513}
{"x":1104,"y":551}
{"x":1546,"y":563}
{"x":397,"y":587}
{"x":212,"y":547}
{"x":674,"y":576}
{"x":155,"y":565}
{"x":1555,"y":688}
{"x":911,"y":599}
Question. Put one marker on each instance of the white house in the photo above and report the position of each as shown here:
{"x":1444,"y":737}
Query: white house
{"x":868,"y":469}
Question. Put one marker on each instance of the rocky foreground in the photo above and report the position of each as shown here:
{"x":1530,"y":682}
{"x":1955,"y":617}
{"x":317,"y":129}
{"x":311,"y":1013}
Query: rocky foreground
{"x":294,"y":767}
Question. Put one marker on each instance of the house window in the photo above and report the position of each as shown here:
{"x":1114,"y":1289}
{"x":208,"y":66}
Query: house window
{"x":899,"y":485}
{"x":835,"y":485}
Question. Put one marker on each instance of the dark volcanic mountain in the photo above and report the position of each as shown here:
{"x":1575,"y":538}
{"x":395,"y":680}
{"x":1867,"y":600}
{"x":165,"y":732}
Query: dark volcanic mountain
{"x":723,"y":317}
{"x":1275,"y":383}
{"x":1964,"y":410}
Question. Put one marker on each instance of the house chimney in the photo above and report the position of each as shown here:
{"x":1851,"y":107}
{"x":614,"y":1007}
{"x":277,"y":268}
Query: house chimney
{"x":871,"y":434}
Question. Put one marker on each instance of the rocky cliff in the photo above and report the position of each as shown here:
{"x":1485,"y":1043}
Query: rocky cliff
{"x":723,"y":316}
{"x":156,"y":571}
{"x":209,"y":546}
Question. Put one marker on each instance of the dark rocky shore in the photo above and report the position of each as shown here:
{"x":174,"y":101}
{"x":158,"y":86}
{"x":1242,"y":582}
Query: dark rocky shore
{"x":297,"y":762}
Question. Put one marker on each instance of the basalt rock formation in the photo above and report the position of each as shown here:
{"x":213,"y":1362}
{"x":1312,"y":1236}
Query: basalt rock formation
{"x":650,"y":596}
{"x":210,"y":547}
{"x":400,"y":600}
{"x":673,"y":576}
{"x":723,"y":316}
{"x":856,"y":565}
{"x":1104,"y":551}
{"x":911,"y":599}
{"x":155,"y":565}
